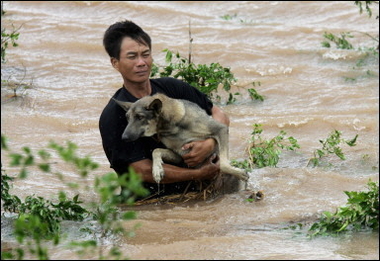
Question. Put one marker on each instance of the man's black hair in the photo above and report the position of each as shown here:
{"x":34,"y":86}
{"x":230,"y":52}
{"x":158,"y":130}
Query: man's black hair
{"x":115,"y":34}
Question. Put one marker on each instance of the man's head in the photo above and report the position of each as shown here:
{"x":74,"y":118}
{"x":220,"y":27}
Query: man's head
{"x":115,"y":34}
{"x":130,"y":50}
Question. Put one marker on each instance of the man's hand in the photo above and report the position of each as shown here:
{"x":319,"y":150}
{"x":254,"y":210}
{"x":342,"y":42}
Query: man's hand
{"x":211,"y":168}
{"x":199,"y":151}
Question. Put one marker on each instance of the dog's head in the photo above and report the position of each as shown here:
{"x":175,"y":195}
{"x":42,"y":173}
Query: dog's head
{"x":142,"y":117}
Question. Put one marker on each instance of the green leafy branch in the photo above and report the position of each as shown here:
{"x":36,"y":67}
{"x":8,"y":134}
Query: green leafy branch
{"x":361,"y":212}
{"x":367,"y":6}
{"x":331,"y":146}
{"x":263,"y":153}
{"x":206,"y":78}
{"x":7,"y":37}
{"x":39,"y":219}
{"x":228,"y":17}
{"x":342,"y":42}
{"x":45,"y":210}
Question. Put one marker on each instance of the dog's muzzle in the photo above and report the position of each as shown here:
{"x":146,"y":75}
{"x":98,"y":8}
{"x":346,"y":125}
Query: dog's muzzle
{"x":130,"y":136}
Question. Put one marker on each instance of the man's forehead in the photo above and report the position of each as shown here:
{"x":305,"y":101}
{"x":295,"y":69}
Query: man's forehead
{"x":130,"y":45}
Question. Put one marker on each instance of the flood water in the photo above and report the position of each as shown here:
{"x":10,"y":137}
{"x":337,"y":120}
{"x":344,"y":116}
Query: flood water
{"x":309,"y":92}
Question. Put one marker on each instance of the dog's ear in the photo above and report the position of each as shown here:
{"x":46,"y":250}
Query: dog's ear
{"x":155,"y":105}
{"x":124,"y":105}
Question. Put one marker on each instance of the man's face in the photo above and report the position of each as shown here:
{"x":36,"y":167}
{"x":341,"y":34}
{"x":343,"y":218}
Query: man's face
{"x":135,"y":61}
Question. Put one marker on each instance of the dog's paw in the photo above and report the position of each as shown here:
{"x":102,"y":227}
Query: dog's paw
{"x":245,"y":176}
{"x":158,"y":171}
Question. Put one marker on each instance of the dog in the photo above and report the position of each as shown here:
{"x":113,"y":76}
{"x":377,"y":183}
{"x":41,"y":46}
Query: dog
{"x":176,"y":122}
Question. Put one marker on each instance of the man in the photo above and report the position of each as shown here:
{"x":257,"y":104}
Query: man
{"x":130,"y":51}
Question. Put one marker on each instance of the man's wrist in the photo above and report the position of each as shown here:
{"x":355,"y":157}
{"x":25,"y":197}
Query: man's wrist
{"x":212,"y":142}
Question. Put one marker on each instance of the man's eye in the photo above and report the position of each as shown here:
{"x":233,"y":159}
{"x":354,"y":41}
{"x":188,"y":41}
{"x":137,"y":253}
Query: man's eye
{"x":139,"y":117}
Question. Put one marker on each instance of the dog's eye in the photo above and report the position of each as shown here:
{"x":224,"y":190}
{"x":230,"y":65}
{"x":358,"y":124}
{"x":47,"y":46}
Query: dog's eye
{"x":139,"y":117}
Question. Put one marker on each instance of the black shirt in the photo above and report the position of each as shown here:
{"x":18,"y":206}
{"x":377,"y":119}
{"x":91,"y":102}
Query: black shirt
{"x":113,"y":122}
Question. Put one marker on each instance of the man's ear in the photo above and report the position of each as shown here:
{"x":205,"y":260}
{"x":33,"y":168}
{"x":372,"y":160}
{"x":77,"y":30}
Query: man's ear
{"x":115,"y":63}
{"x":155,"y":105}
{"x":124,"y":105}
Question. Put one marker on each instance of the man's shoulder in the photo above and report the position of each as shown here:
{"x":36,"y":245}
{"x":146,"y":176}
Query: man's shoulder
{"x":167,"y":82}
{"x":172,"y":87}
{"x":111,"y":109}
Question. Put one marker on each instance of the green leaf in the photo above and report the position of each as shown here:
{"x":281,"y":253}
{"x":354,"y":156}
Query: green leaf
{"x":129,"y":215}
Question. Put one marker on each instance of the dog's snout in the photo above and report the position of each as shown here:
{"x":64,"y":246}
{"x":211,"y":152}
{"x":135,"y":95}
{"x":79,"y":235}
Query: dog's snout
{"x":130,"y":134}
{"x":127,"y":137}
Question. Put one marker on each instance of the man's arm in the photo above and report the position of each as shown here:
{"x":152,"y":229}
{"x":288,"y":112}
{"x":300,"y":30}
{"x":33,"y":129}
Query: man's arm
{"x":177,"y":174}
{"x":220,"y":116}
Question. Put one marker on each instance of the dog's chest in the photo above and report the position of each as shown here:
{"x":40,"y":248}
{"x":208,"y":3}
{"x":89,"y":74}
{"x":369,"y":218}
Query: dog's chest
{"x":174,"y":141}
{"x":175,"y":135}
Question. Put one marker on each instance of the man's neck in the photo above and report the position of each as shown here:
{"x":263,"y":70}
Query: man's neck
{"x":138,"y":90}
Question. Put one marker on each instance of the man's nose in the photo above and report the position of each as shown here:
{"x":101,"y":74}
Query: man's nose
{"x":141,"y":60}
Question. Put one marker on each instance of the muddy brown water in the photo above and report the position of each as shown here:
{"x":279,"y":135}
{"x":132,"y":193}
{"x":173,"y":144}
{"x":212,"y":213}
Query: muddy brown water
{"x":309,"y":91}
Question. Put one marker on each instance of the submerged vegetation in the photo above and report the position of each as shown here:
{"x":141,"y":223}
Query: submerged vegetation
{"x":206,"y":78}
{"x":361,"y":212}
{"x":368,"y":52}
{"x":342,"y":42}
{"x":38,"y":220}
{"x":331,"y":145}
{"x":9,"y":39}
{"x":264,"y":153}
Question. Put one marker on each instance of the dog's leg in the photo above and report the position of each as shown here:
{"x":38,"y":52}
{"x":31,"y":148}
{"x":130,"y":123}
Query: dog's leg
{"x":225,"y":166}
{"x":159,"y":156}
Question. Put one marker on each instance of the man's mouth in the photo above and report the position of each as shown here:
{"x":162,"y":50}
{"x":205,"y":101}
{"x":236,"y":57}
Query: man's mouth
{"x":141,"y":72}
